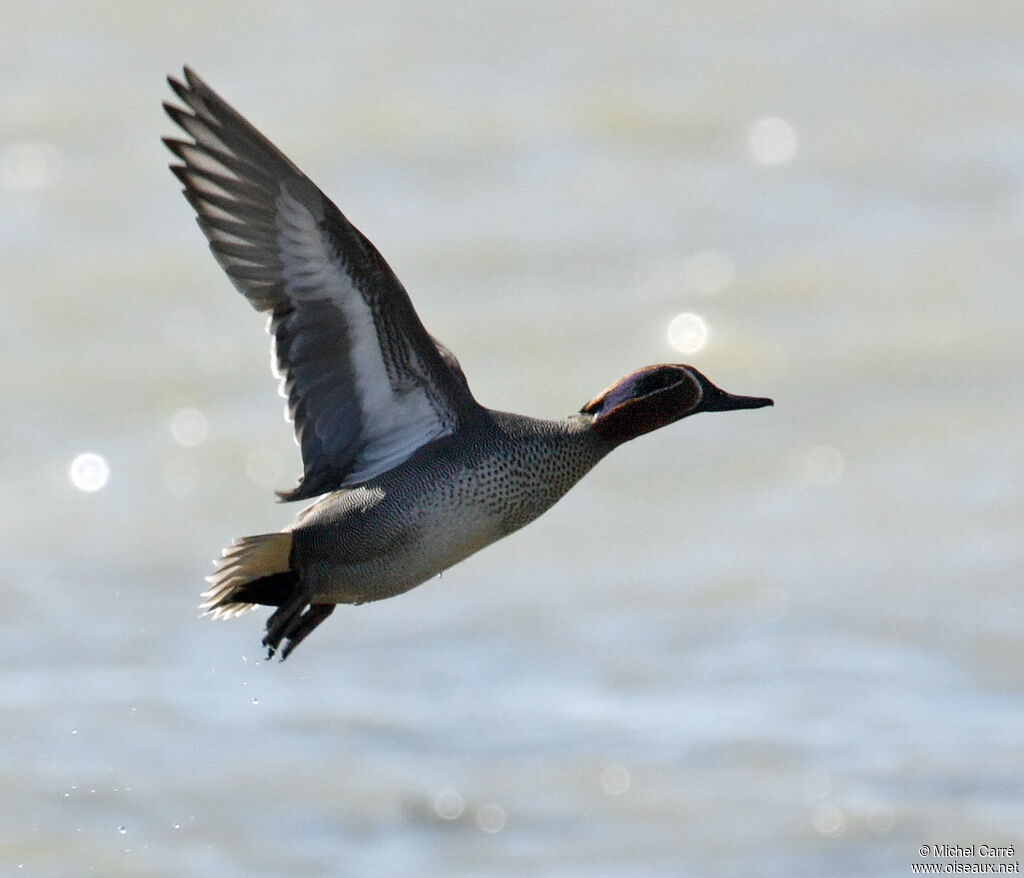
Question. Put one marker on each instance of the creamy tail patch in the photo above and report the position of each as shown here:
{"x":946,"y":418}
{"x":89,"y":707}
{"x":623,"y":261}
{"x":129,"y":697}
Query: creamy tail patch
{"x":245,"y":560}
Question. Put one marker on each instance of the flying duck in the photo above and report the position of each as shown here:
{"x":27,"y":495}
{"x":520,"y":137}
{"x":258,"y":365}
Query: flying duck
{"x":409,"y":473}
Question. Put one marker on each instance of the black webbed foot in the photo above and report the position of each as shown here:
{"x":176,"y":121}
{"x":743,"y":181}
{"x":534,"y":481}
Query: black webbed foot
{"x":292,"y":623}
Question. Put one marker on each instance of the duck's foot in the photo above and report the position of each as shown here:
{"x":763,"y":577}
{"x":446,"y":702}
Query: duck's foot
{"x":292,"y":623}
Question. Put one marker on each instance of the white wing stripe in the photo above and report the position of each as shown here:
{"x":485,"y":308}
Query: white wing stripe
{"x":393,"y":425}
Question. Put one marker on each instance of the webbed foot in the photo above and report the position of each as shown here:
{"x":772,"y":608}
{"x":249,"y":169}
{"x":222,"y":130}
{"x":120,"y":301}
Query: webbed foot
{"x":292,"y":623}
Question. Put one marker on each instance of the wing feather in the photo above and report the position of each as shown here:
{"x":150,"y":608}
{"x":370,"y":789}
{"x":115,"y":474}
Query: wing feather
{"x":366,"y":385}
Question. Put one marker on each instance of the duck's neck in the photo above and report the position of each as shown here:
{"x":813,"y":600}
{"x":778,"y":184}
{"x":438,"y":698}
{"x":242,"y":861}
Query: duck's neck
{"x":533,"y":462}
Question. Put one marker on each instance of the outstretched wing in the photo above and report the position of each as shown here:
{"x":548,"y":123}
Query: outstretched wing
{"x":366,"y":385}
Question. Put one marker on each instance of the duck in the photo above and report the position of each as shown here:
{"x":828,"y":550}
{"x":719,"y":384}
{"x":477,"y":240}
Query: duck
{"x":406,"y":472}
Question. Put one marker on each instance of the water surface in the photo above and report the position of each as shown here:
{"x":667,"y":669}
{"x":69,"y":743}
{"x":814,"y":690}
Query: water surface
{"x":766,"y":643}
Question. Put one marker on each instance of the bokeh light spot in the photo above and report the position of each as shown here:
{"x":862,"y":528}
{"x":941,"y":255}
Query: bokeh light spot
{"x":828,"y":820}
{"x":181,"y":476}
{"x":687,"y":333}
{"x":881,"y":818}
{"x":823,"y":464}
{"x":615,"y":780}
{"x":708,"y":272}
{"x":772,"y":141}
{"x":30,"y":165}
{"x":772,"y":603}
{"x":490,"y":818}
{"x":449,"y":805}
{"x":188,"y":427}
{"x":89,"y":472}
{"x":263,"y":467}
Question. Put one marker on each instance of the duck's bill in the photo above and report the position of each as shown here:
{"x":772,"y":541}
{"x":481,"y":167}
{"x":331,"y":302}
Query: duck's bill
{"x":720,"y":401}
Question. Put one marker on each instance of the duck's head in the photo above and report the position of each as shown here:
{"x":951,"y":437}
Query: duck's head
{"x":655,"y":396}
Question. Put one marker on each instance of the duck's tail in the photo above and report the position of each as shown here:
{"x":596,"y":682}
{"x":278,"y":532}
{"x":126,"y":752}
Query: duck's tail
{"x":251,"y":571}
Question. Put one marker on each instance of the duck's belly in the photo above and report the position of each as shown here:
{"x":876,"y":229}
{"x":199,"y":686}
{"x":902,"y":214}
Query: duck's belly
{"x":442,"y":505}
{"x":434,"y":547}
{"x":369,"y":544}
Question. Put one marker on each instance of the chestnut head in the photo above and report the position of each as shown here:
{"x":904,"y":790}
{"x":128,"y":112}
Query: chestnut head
{"x":656,"y":396}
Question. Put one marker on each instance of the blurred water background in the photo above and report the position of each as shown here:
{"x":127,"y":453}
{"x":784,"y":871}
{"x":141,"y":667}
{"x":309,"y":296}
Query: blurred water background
{"x":782,"y":642}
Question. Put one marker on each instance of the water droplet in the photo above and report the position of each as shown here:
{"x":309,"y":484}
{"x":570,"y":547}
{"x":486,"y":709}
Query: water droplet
{"x":255,"y":700}
{"x":772,"y":141}
{"x":89,"y":472}
{"x":74,"y":731}
{"x":123,"y":830}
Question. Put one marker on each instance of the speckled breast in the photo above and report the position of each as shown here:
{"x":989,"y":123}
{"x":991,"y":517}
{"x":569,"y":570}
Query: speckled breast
{"x":450,"y":499}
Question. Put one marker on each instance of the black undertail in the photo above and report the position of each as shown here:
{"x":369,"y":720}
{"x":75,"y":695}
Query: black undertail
{"x":295,"y":617}
{"x":271,"y":591}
